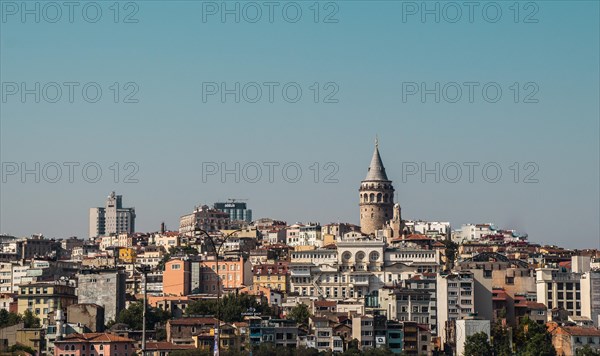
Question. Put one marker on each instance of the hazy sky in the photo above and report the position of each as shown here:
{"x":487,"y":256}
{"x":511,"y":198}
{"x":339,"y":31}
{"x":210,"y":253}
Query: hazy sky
{"x":370,"y":60}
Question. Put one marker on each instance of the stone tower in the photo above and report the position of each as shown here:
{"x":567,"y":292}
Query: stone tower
{"x":376,"y":196}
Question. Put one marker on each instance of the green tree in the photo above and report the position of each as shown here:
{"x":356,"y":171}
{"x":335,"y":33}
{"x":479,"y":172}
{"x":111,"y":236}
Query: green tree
{"x":230,"y":308}
{"x":300,"y":314}
{"x":500,"y":340}
{"x":380,"y":351}
{"x":477,"y":345}
{"x":193,"y":352}
{"x":30,"y":320}
{"x":587,"y":351}
{"x":533,"y":339}
{"x":133,"y":316}
{"x":19,"y":347}
{"x":9,"y":319}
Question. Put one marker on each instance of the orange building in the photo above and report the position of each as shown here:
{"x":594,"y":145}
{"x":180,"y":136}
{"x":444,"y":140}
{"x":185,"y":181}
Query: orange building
{"x":184,"y":277}
{"x":234,"y":273}
{"x":177,"y":277}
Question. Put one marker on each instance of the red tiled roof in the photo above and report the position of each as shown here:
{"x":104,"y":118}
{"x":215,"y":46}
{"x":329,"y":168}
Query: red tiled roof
{"x":417,"y":237}
{"x":325,"y":303}
{"x":192,"y":321}
{"x":94,"y":337}
{"x":534,"y":305}
{"x":578,"y":331}
{"x":166,"y":346}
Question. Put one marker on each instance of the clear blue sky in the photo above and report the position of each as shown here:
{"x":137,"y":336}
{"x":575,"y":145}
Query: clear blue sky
{"x":372,"y":49}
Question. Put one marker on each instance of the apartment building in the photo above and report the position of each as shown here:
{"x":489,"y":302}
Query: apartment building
{"x":274,"y":276}
{"x":105,"y":287}
{"x":455,"y":300}
{"x":404,"y":304}
{"x":44,"y":297}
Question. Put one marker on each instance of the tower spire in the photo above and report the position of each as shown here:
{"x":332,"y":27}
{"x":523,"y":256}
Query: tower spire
{"x":376,"y":170}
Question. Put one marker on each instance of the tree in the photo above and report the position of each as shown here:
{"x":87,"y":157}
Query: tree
{"x":533,"y":339}
{"x":587,"y":351}
{"x":9,"y":319}
{"x":19,"y":347}
{"x":30,"y":320}
{"x":230,"y":308}
{"x":299,"y":313}
{"x":477,"y":345}
{"x":380,"y":351}
{"x":133,"y":316}
{"x":500,"y":340}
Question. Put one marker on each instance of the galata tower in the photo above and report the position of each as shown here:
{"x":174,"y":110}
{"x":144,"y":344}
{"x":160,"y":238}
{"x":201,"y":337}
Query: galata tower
{"x":376,"y":196}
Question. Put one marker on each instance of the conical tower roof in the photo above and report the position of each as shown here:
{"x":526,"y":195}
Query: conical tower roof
{"x":376,"y":169}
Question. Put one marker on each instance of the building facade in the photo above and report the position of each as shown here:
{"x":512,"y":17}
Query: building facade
{"x":112,"y":219}
{"x":105,"y":287}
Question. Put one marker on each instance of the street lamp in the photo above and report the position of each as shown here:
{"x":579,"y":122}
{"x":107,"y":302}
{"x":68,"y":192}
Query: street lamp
{"x":144,"y":270}
{"x":216,"y":246}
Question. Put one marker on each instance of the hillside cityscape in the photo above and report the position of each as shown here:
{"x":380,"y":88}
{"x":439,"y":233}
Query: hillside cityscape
{"x":225,"y":283}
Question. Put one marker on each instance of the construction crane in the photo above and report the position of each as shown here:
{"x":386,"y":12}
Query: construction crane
{"x":233,"y":200}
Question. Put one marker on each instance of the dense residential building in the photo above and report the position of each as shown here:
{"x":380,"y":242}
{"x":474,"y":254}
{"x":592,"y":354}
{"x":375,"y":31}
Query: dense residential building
{"x":559,"y":289}
{"x":181,"y":331}
{"x":272,"y":276}
{"x":44,"y":297}
{"x":405,"y":304}
{"x":204,"y":218}
{"x":105,"y":287}
{"x":455,"y":300}
{"x":495,"y":269}
{"x":186,"y":276}
{"x":568,"y":340}
{"x":112,"y":219}
{"x":94,"y":343}
{"x":280,"y":332}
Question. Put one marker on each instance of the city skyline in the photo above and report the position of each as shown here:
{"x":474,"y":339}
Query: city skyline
{"x":376,"y":161}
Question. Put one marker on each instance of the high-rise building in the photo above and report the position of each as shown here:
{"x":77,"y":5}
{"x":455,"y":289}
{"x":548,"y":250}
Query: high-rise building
{"x":236,"y":210}
{"x":376,"y":196}
{"x":112,"y":219}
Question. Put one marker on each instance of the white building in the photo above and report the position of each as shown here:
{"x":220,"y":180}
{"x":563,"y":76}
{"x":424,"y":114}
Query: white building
{"x":557,"y":289}
{"x":472,"y":232}
{"x":455,"y":300}
{"x":429,"y":228}
{"x":466,"y":328}
{"x":304,"y":235}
